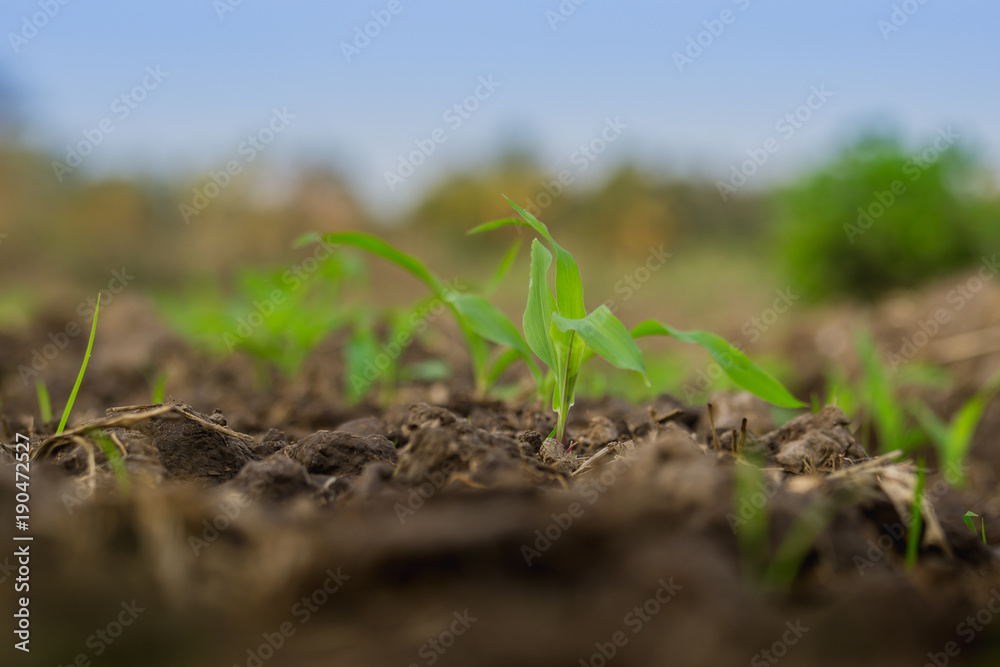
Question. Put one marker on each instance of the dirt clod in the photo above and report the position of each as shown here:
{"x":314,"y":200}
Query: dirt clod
{"x":341,"y":454}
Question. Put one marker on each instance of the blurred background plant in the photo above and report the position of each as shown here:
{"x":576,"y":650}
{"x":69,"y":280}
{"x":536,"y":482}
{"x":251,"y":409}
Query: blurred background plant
{"x":882,"y":215}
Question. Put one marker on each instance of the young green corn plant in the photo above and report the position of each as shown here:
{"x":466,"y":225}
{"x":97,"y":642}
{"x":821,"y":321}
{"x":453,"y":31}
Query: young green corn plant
{"x":878,"y":393}
{"x":370,"y":363}
{"x":560,"y":331}
{"x":952,"y":440}
{"x":479,"y":320}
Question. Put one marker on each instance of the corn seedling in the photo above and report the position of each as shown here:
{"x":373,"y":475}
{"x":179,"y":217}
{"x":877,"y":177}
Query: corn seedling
{"x":83,"y":369}
{"x":371,"y":363}
{"x":560,"y":331}
{"x":953,"y":440}
{"x":969,"y":516}
{"x":557,"y":329}
{"x":878,"y":394}
{"x":276,"y":316}
{"x":479,"y":320}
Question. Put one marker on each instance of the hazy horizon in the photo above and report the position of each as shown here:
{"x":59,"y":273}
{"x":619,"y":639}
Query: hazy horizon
{"x":198,"y":77}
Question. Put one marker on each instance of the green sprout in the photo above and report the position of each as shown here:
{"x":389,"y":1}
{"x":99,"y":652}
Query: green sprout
{"x":798,"y":541}
{"x":916,"y":518}
{"x":909,"y":424}
{"x":83,"y":369}
{"x":953,"y":440}
{"x":44,"y":402}
{"x":159,"y":389}
{"x":557,"y":329}
{"x":479,"y":320}
{"x":370,"y":363}
{"x":277,"y":316}
{"x":561,"y":332}
{"x":753,"y":536}
{"x":115,"y":459}
{"x":968,"y":517}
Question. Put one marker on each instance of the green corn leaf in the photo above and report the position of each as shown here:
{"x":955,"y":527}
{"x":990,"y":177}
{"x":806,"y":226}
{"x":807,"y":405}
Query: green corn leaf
{"x":360,"y":351}
{"x":502,"y":363}
{"x":969,"y":522}
{"x":377,"y":246}
{"x":737,"y":365}
{"x":504,"y":268}
{"x":540,"y":307}
{"x":607,"y":336}
{"x":569,"y":285}
{"x":497,"y":224}
{"x":306,"y":239}
{"x":489,"y":322}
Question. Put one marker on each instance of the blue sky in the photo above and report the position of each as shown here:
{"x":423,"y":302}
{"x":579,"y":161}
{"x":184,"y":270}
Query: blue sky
{"x":558,"y":82}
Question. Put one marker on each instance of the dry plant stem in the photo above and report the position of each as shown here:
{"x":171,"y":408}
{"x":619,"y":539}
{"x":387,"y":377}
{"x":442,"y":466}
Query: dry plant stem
{"x":743,"y":436}
{"x":715,"y":436}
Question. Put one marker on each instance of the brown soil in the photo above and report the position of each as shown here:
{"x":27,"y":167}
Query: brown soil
{"x":288,"y":529}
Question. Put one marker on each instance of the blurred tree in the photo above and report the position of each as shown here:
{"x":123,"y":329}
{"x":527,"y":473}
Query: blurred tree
{"x":465,"y":199}
{"x":879,"y":216}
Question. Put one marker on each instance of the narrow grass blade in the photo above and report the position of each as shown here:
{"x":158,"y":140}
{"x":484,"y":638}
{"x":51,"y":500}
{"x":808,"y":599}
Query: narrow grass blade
{"x":83,"y":369}
{"x":737,"y":365}
{"x":44,"y":402}
{"x":607,"y":336}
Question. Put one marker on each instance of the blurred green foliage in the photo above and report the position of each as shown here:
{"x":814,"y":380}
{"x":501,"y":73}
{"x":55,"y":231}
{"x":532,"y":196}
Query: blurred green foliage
{"x":275,"y":316}
{"x":881,"y":216}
